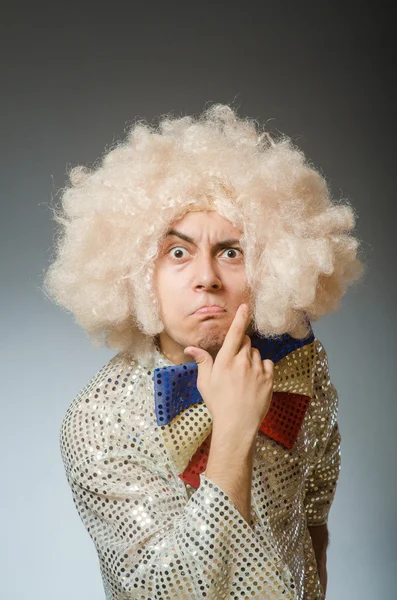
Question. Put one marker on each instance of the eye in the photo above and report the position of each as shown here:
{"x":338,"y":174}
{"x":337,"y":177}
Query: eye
{"x":181,"y":249}
{"x":233,"y":250}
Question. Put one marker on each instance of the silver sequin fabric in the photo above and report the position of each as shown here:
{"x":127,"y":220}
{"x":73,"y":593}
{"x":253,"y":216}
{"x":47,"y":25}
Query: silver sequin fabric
{"x":158,"y":538}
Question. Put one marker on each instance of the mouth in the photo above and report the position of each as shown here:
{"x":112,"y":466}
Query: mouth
{"x":209,"y":310}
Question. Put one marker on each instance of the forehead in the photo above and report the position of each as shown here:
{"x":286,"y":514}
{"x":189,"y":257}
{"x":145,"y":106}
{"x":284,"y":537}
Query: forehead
{"x":196,"y":223}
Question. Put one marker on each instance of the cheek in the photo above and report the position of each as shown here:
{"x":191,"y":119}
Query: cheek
{"x":168,"y":280}
{"x":169,"y":288}
{"x":237,"y":282}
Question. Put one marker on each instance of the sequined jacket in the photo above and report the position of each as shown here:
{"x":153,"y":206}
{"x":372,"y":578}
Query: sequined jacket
{"x":159,"y":538}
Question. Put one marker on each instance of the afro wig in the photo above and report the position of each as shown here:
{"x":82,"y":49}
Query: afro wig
{"x":299,"y":255}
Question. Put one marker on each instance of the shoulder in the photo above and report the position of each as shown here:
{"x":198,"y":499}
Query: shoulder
{"x":325,"y":401}
{"x":320,"y":356}
{"x":97,"y":390}
{"x":107,"y":411}
{"x":321,"y":368}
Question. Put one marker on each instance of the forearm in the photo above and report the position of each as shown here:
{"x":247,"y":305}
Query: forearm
{"x":320,"y":538}
{"x":230,"y":464}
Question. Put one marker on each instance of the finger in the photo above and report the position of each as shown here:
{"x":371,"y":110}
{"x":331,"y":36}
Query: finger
{"x":268,"y":367}
{"x":203,"y":359}
{"x":256,"y":358}
{"x":234,"y":337}
{"x":246,"y":346}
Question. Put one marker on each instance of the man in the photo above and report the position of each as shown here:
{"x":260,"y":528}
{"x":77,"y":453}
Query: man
{"x":213,"y":478}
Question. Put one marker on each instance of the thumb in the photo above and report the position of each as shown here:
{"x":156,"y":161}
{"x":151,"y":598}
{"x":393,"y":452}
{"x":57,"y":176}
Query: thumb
{"x":203,"y":359}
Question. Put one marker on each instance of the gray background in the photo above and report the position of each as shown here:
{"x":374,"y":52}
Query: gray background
{"x":72,"y":79}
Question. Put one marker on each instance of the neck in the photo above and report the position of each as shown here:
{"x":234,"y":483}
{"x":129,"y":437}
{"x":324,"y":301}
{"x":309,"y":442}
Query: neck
{"x":171,"y":349}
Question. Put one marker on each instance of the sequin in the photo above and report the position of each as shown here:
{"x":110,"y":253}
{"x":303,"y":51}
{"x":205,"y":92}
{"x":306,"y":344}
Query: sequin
{"x":157,"y":536}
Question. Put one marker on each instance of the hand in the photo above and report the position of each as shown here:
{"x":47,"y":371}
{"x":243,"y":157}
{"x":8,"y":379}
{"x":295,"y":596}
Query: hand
{"x":237,"y":386}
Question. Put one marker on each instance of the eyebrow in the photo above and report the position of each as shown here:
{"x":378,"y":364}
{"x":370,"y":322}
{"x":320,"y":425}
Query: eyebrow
{"x":218,"y":246}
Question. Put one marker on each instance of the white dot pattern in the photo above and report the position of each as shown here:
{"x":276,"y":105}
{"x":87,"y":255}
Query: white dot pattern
{"x":159,"y":538}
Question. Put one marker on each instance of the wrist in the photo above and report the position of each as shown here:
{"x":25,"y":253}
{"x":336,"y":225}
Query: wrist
{"x":232,"y":439}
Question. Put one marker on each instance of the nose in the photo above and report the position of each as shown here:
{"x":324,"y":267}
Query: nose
{"x":206,"y":274}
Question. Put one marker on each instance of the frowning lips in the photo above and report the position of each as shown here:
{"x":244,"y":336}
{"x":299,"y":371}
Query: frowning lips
{"x":210,"y":308}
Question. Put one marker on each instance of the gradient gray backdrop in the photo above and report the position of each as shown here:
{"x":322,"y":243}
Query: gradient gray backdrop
{"x":72,"y":80}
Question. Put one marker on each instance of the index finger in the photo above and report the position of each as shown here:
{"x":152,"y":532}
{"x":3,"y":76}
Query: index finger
{"x":235,"y":335}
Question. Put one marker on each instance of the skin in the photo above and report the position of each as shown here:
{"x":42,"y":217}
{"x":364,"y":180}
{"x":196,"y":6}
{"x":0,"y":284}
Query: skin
{"x":320,"y":538}
{"x":190,"y":274}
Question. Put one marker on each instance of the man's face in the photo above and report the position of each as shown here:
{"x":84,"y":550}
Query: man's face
{"x":199,"y":263}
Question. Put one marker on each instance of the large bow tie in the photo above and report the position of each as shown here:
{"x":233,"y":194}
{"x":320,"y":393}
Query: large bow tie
{"x":186,"y":422}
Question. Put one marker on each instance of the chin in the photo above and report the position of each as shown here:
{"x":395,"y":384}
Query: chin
{"x":210,"y":340}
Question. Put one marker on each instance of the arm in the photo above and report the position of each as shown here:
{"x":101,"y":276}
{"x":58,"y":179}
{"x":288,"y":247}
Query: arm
{"x":321,"y":481}
{"x":320,"y":537}
{"x":152,"y":544}
{"x":323,"y":476}
{"x":230,"y":466}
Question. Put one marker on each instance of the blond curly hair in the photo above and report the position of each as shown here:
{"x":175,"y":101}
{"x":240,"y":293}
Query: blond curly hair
{"x":299,"y":255}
